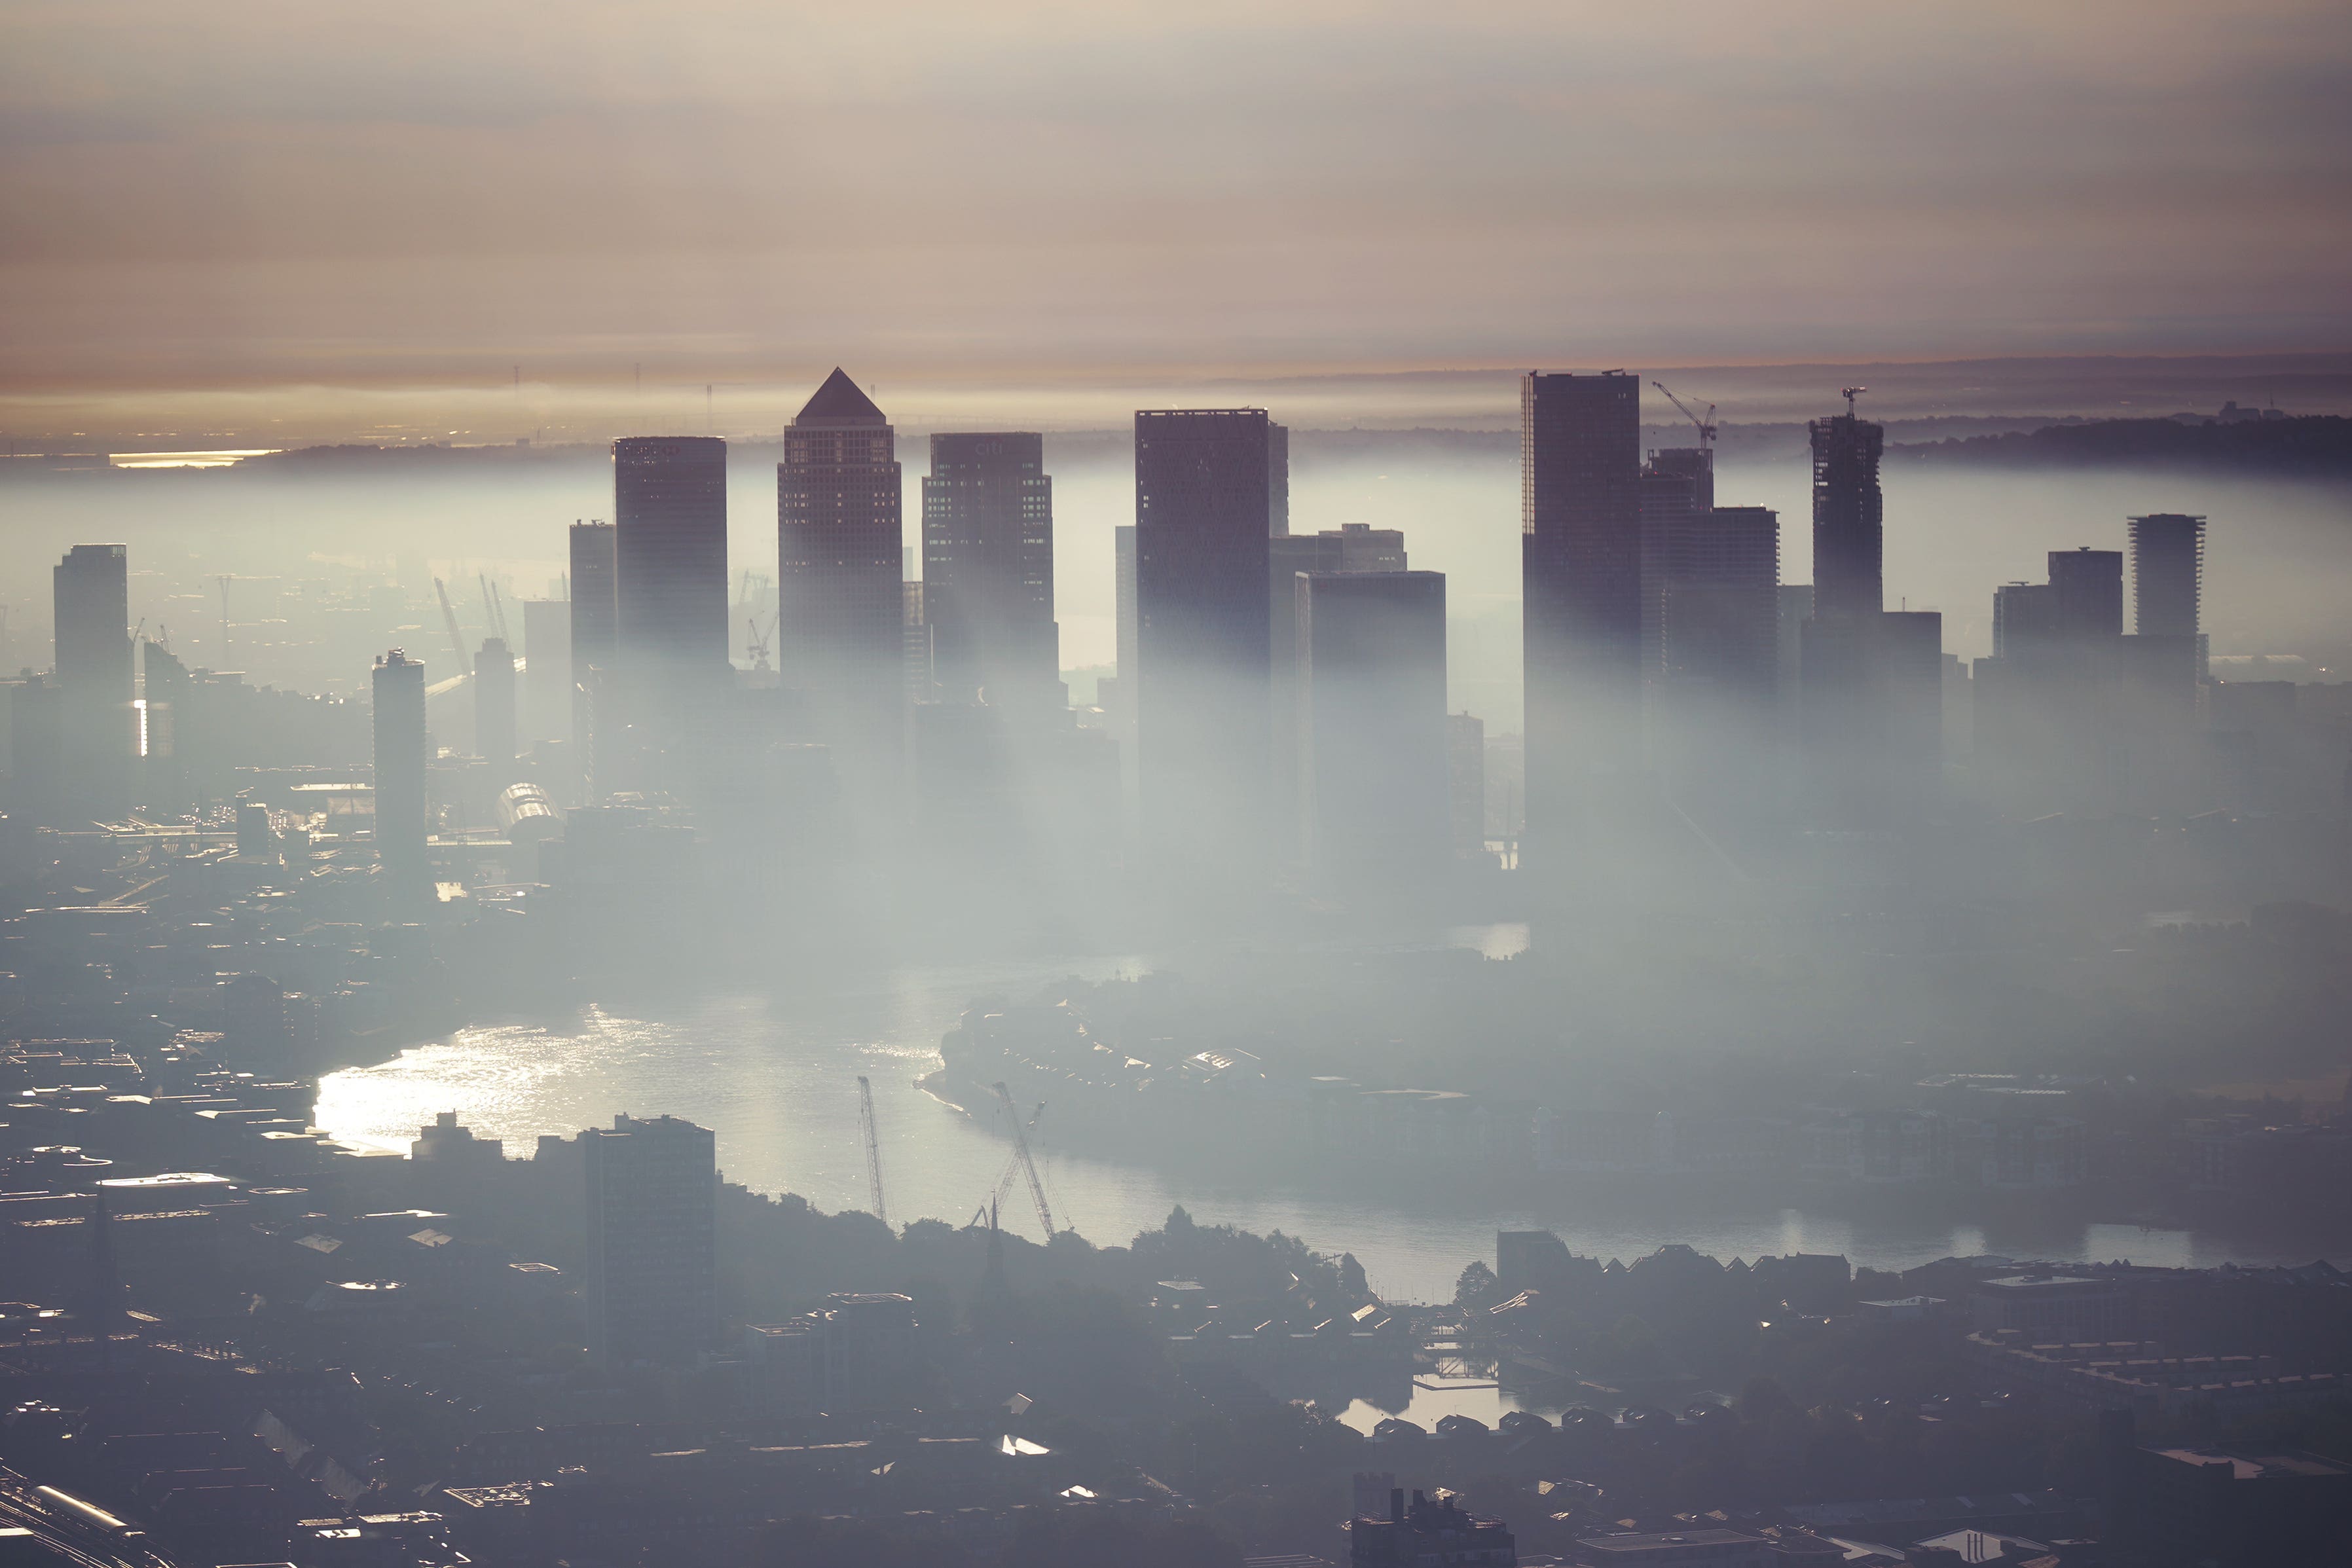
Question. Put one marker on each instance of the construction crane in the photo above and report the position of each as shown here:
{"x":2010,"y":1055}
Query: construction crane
{"x":1004,"y":1180}
{"x":1706,"y":423}
{"x":757,"y":641}
{"x":873,"y":1148}
{"x":457,"y":638}
{"x":1028,"y":1165}
{"x":1850,"y":393}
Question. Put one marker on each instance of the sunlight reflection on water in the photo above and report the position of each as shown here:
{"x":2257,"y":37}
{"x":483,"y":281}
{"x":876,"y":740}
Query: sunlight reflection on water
{"x":776,"y":1080}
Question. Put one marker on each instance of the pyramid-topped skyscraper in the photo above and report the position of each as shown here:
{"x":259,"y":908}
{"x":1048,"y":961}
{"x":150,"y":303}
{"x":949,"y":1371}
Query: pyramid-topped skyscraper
{"x":839,"y":596}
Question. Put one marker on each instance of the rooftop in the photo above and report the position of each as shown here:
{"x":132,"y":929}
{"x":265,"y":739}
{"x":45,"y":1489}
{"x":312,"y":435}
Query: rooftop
{"x":839,"y":402}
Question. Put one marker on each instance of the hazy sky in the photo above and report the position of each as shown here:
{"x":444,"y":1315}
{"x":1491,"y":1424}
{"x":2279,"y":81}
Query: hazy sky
{"x":253,"y":193}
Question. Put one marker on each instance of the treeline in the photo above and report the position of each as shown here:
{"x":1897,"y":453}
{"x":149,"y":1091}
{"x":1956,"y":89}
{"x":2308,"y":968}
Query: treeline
{"x":2317,"y":445}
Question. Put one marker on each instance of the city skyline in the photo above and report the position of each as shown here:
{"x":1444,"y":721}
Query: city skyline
{"x":1319,"y":786}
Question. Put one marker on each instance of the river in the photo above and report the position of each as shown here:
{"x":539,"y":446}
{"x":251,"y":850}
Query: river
{"x":776,"y":1080}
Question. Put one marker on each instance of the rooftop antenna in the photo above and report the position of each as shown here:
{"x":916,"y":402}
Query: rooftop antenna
{"x":1850,"y":393}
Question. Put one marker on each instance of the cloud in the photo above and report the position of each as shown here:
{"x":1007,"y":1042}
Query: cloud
{"x":201,"y":192}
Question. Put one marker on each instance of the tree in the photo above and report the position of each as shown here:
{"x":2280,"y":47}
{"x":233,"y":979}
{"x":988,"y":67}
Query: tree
{"x":1477,"y":1288}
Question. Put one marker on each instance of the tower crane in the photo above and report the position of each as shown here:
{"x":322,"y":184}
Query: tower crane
{"x":873,"y":1148}
{"x":457,"y":638}
{"x":1706,"y":423}
{"x":1850,"y":393}
{"x":757,"y":641}
{"x":1028,"y":1165}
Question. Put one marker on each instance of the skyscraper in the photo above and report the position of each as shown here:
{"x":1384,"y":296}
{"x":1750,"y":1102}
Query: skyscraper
{"x":2088,"y":587}
{"x":839,"y":588}
{"x":669,"y":553}
{"x":652,"y":1237}
{"x":988,"y":569}
{"x":1849,"y":518}
{"x":1580,"y":575}
{"x":92,"y":600}
{"x":493,"y":707}
{"x":1718,"y":604}
{"x":1350,"y":548}
{"x":1845,"y":704}
{"x":1277,"y":479}
{"x":1373,"y":760}
{"x":1201,"y":532}
{"x":2168,"y":562}
{"x":547,"y":669}
{"x":595,"y":643}
{"x":400,"y":754}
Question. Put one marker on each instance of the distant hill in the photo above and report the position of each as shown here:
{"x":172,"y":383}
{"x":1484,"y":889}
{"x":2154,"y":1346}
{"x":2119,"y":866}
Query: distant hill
{"x":2316,"y":447}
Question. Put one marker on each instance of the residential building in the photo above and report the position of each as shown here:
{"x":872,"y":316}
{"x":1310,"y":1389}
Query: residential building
{"x":652,"y":1197}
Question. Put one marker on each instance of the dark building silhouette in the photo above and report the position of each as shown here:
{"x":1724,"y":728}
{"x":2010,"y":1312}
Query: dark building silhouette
{"x":400,"y":754}
{"x":1677,"y":488}
{"x":1719,"y":601}
{"x":1849,"y":518}
{"x":1351,"y":548}
{"x":917,"y":658}
{"x":652,"y":1190}
{"x":1425,"y":1532}
{"x":1203,"y":626}
{"x":94,"y":681}
{"x":595,"y":642}
{"x":2087,"y":588}
{"x":1580,"y":570}
{"x":1277,"y":479}
{"x":1715,"y":710}
{"x":841,"y":598}
{"x":494,"y":704}
{"x":988,"y":569}
{"x":1374,"y":763}
{"x":2168,"y":562}
{"x":669,"y":517}
{"x":1846,"y":709}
